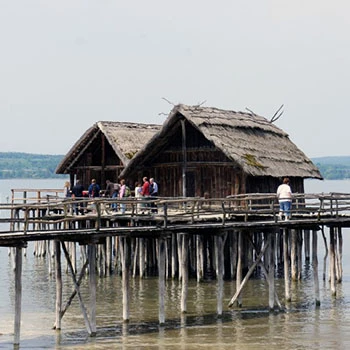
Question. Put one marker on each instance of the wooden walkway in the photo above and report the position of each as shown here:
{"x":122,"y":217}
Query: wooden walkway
{"x":230,"y":235}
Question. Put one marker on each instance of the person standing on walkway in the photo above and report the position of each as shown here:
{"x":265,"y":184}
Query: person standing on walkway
{"x":94,"y":189}
{"x":284,"y":195}
{"x":153,"y":193}
{"x":77,"y":193}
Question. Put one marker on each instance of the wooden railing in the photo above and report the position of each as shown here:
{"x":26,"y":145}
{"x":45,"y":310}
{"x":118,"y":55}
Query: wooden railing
{"x":47,"y":209}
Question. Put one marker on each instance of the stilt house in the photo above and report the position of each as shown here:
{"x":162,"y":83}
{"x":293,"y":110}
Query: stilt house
{"x":104,"y":150}
{"x":204,"y":151}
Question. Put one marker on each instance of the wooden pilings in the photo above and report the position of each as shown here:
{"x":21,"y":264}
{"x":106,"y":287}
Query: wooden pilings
{"x":235,"y":255}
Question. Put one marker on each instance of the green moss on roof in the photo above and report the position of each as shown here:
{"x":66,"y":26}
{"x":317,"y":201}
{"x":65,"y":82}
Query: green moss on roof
{"x":130,"y":154}
{"x":251,"y":161}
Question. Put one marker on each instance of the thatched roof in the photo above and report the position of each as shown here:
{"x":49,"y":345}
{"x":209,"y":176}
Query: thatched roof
{"x":125,"y":138}
{"x":258,"y":146}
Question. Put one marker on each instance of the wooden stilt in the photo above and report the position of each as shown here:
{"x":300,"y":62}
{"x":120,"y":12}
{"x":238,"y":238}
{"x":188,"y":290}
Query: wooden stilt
{"x":271,"y":271}
{"x":249,"y":273}
{"x":179,"y":254}
{"x":332,"y":261}
{"x":220,"y":273}
{"x":58,"y":269}
{"x":92,"y":275}
{"x":142,"y":257}
{"x":286,"y":266}
{"x":184,"y":272}
{"x":299,"y":253}
{"x":199,"y":257}
{"x":315,"y":268}
{"x":161,"y":288}
{"x":293,"y":255}
{"x":125,"y":277}
{"x":325,"y":255}
{"x":307,"y":245}
{"x":340,"y":255}
{"x":173,"y":256}
{"x":239,"y":268}
{"x":92,"y":286}
{"x":18,"y":296}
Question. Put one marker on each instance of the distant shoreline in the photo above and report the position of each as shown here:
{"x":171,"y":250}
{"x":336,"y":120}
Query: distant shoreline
{"x":17,"y":165}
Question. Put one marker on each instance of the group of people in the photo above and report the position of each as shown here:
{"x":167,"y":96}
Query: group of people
{"x":120,"y":190}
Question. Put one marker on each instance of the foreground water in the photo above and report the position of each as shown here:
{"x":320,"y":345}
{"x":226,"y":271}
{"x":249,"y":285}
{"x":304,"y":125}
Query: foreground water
{"x":301,"y":326}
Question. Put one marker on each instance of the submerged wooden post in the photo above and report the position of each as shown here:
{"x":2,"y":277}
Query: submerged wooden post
{"x":340,"y":256}
{"x":332,"y":261}
{"x":161,"y":273}
{"x":315,"y":268}
{"x":286,"y":266}
{"x":239,"y":267}
{"x":307,"y":244}
{"x":18,"y":296}
{"x":293,"y":255}
{"x":220,"y":272}
{"x":92,"y":285}
{"x":125,"y":277}
{"x":184,"y":273}
{"x":58,"y":269}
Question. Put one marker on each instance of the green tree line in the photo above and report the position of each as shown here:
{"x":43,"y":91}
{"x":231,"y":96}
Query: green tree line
{"x":15,"y":165}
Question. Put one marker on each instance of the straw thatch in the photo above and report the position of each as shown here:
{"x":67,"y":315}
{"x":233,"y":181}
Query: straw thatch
{"x":258,"y":146}
{"x":125,"y":138}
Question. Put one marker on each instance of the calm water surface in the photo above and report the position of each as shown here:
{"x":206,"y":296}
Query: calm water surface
{"x":301,"y":326}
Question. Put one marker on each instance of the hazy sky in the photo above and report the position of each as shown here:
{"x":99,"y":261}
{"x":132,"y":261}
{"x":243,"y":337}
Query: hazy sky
{"x":65,"y":65}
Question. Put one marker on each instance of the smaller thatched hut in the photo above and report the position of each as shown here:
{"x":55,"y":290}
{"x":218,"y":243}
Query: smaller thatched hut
{"x":204,"y":150}
{"x":104,"y":149}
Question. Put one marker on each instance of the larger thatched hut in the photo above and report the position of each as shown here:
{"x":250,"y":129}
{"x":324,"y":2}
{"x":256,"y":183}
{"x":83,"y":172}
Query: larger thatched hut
{"x":204,"y":150}
{"x":104,"y":150}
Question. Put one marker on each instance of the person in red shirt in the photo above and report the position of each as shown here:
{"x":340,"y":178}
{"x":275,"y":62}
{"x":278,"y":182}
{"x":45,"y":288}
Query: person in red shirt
{"x":145,"y":187}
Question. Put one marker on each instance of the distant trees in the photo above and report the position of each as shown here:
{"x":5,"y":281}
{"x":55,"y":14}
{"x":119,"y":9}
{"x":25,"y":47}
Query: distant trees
{"x":333,"y":168}
{"x":15,"y":165}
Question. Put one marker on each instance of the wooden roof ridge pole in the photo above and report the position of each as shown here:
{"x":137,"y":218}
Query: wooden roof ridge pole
{"x":246,"y":278}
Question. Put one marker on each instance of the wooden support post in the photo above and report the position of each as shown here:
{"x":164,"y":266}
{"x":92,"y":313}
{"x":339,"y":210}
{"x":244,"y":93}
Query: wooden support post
{"x":325,"y":255}
{"x":271,"y":271}
{"x":18,"y":296}
{"x":299,"y":253}
{"x":174,"y":261}
{"x":184,"y":272}
{"x":315,"y":268}
{"x":307,"y":245}
{"x":76,"y":285}
{"x":126,"y":257}
{"x":239,"y":267}
{"x":220,"y":272}
{"x":142,"y":257}
{"x":286,"y":266}
{"x":179,"y":253}
{"x":92,"y":286}
{"x":249,"y":273}
{"x":340,"y":256}
{"x":332,"y":261}
{"x":200,"y":259}
{"x":161,"y":273}
{"x":58,"y":269}
{"x":293,"y":255}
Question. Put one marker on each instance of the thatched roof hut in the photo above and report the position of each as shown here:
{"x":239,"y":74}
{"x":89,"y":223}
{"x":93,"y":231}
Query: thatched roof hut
{"x":220,"y":152}
{"x":104,"y":150}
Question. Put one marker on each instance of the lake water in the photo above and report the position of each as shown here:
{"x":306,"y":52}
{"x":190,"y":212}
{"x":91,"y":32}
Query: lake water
{"x":302,"y":326}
